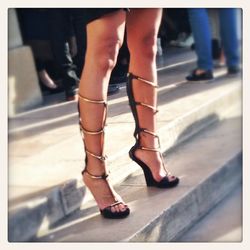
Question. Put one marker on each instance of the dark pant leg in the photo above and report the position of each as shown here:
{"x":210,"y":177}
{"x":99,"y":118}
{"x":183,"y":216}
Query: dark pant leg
{"x":202,"y":36}
{"x":228,"y":31}
{"x":79,"y":24}
{"x":58,"y":31}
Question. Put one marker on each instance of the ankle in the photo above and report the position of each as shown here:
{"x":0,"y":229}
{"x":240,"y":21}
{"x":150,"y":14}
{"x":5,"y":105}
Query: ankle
{"x":153,"y":162}
{"x":200,"y":71}
{"x":149,"y":156}
{"x":149,"y":141}
{"x":97,"y":168}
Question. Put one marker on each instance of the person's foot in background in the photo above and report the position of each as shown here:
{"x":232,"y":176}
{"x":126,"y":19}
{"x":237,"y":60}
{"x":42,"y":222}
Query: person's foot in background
{"x":221,"y":61}
{"x":187,"y":42}
{"x":47,"y":83}
{"x":233,"y":70}
{"x":200,"y":75}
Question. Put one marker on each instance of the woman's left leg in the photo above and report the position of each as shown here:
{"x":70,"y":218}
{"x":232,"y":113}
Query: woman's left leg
{"x":142,"y":30}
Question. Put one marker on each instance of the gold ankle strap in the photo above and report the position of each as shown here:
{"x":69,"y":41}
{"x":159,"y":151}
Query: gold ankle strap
{"x":154,"y":149}
{"x":154,"y":135}
{"x":104,"y":176}
{"x":149,"y":149}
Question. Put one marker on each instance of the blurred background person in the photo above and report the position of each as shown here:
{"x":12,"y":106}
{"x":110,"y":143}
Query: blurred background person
{"x":201,"y":29}
{"x":49,"y":33}
{"x":63,"y":44}
{"x":34,"y":29}
{"x":178,"y":28}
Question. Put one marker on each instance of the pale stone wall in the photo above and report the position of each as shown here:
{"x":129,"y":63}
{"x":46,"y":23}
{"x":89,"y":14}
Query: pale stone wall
{"x":14,"y":34}
{"x":24,"y":91}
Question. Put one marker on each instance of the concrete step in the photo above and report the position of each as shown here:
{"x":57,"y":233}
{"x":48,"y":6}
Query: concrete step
{"x":44,"y":170}
{"x":218,"y":141}
{"x":32,"y":122}
{"x":209,"y":166}
{"x":39,"y":138}
{"x":184,"y":110}
{"x":219,"y":225}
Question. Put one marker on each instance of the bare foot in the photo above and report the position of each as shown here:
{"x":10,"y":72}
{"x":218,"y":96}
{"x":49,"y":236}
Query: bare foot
{"x":103,"y":192}
{"x":154,"y":162}
{"x":199,"y":72}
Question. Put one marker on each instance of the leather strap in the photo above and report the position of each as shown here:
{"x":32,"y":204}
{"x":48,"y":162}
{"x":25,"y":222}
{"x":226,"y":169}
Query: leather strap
{"x":143,"y":80}
{"x":143,"y":130}
{"x":85,"y":131}
{"x":104,"y":176}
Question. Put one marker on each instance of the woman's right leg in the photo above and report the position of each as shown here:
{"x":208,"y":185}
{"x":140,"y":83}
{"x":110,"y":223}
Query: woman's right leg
{"x":104,"y":39}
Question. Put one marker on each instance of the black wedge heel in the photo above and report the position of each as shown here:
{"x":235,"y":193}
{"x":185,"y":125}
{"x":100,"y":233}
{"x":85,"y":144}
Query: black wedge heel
{"x":165,"y":182}
{"x":150,"y":181}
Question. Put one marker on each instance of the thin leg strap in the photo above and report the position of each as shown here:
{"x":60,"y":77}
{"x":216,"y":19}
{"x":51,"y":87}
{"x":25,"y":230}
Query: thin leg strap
{"x":134,"y":102}
{"x":85,"y":131}
{"x":102,"y":158}
{"x":148,"y":106}
{"x":92,"y":101}
{"x":154,"y":135}
{"x":142,"y":80}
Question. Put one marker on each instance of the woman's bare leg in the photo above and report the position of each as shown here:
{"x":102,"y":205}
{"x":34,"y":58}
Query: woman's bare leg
{"x":104,"y":38}
{"x":142,"y":29}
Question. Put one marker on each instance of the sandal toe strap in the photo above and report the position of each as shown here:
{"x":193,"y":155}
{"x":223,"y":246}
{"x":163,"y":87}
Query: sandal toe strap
{"x":108,"y":208}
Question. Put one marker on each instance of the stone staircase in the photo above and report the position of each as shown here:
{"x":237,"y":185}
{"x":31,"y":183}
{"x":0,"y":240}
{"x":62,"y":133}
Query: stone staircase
{"x":200,"y":129}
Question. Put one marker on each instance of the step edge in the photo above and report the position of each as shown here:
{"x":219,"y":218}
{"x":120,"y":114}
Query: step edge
{"x":231,"y":164}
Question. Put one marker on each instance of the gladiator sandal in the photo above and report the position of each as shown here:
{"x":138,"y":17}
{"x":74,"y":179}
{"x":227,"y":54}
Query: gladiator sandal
{"x":165,"y":182}
{"x":106,"y":212}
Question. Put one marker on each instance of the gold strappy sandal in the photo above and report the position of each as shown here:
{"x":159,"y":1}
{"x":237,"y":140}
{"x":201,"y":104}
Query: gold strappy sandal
{"x":150,"y":181}
{"x":106,"y":212}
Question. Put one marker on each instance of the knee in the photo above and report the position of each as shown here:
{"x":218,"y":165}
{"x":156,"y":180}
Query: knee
{"x":145,"y":46}
{"x":106,"y":53}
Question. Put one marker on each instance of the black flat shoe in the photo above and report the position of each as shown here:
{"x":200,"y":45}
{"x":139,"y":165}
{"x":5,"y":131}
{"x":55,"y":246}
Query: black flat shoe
{"x":206,"y":76}
{"x":233,"y":70}
{"x":48,"y":90}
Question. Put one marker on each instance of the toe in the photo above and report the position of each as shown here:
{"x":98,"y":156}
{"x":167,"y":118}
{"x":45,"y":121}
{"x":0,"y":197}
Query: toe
{"x":113,"y":209}
{"x":171,"y":178}
{"x":122,"y":207}
{"x":117,"y":208}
